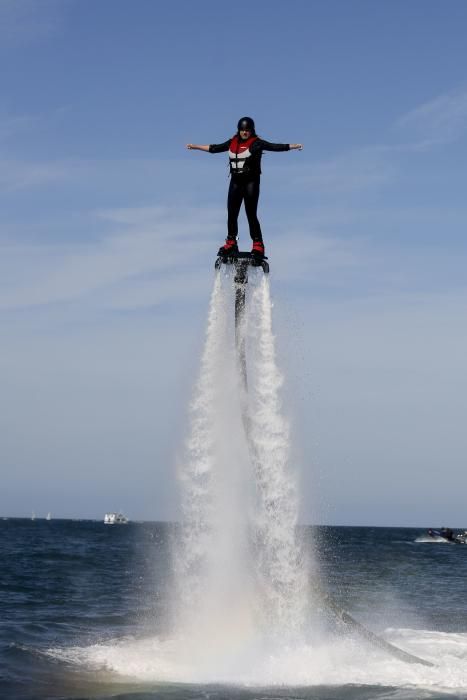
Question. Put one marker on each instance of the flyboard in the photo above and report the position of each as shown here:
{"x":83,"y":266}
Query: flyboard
{"x":242,"y":262}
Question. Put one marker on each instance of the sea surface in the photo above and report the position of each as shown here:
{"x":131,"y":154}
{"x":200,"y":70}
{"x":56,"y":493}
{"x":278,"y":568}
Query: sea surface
{"x":85,"y":612}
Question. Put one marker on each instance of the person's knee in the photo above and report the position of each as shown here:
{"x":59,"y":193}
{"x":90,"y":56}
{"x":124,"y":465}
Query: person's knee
{"x":251,"y":214}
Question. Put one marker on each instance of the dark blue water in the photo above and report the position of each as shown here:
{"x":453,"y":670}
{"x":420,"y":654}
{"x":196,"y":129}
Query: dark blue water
{"x":84,"y":613}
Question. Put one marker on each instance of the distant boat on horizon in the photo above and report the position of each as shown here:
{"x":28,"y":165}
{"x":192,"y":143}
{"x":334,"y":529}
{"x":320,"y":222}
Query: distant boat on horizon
{"x":48,"y":516}
{"x":115,"y":519}
{"x":33,"y":515}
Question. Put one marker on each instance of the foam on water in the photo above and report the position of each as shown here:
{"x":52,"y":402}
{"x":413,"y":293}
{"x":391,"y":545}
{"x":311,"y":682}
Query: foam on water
{"x":335,"y":663}
{"x":426,"y":539}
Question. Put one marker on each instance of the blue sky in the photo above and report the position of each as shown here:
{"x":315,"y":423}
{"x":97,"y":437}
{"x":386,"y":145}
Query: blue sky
{"x":108,"y":228}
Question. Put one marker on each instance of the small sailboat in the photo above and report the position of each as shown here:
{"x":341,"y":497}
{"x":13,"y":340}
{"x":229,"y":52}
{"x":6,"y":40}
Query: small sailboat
{"x":48,"y":516}
{"x":33,"y":515}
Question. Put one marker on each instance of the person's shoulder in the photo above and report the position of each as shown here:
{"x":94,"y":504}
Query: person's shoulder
{"x":258,"y":142}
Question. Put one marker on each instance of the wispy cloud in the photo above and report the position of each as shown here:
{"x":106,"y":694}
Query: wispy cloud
{"x":324,"y":259}
{"x":129,"y":174}
{"x":441,"y":120}
{"x":154,"y":253}
{"x":353,"y":171}
{"x":10,"y":125}
{"x":23,"y":21}
{"x":19,"y":175}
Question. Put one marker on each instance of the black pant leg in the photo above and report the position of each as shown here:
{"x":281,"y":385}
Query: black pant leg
{"x":251,"y":207}
{"x":234,"y":202}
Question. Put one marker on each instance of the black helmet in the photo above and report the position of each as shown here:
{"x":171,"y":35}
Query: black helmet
{"x":246,"y":123}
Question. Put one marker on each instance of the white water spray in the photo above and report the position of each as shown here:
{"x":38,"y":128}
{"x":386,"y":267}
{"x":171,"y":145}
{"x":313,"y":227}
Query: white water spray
{"x":240,"y":571}
{"x":209,"y":570}
{"x":280,"y":561}
{"x":241,"y":579}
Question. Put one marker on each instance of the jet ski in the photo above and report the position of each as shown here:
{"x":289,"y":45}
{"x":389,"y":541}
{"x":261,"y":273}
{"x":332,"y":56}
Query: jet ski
{"x":447,"y":535}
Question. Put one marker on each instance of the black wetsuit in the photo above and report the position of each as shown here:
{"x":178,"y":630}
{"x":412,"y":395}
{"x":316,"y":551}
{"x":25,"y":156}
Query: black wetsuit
{"x":244,"y":186}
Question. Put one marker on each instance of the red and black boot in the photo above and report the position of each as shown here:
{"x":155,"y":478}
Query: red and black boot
{"x":258,"y":250}
{"x":229,"y":248}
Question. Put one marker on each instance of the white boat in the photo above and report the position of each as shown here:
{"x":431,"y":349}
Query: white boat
{"x":33,"y":515}
{"x":115,"y":519}
{"x":48,"y":516}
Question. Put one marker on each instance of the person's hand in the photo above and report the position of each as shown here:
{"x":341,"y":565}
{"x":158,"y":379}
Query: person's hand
{"x":190,"y":146}
{"x":296,"y":146}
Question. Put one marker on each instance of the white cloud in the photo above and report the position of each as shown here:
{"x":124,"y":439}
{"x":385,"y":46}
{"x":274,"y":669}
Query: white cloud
{"x":441,"y":120}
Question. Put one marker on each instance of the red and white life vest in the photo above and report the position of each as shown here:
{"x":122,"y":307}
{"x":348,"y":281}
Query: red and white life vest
{"x":239,"y":152}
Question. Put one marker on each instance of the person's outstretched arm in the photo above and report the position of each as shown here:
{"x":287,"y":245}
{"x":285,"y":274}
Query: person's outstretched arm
{"x":194,"y":147}
{"x":268,"y":146}
{"x":213,"y":148}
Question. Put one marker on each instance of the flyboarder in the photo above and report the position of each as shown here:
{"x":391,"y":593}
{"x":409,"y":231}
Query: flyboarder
{"x":245,"y":151}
